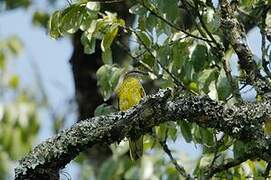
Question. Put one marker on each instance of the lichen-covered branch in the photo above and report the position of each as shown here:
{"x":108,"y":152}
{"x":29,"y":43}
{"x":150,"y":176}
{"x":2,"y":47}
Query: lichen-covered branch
{"x":235,"y":35}
{"x":243,"y":122}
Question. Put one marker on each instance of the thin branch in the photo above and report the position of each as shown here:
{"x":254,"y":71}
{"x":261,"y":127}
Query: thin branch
{"x":134,"y":58}
{"x":163,"y":67}
{"x":178,"y":167}
{"x":69,"y":2}
{"x":171,"y":24}
{"x":218,"y":49}
{"x":241,"y":88}
{"x":197,"y":11}
{"x":215,"y":154}
{"x":234,"y":86}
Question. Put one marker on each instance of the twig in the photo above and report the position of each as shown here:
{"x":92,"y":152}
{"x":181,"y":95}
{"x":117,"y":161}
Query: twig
{"x":234,"y":86}
{"x":215,"y":154}
{"x":177,"y":82}
{"x":196,"y":10}
{"x":178,"y":167}
{"x":243,"y":86}
{"x":171,"y":24}
{"x":218,"y":50}
{"x":69,"y":2}
{"x":135,"y":58}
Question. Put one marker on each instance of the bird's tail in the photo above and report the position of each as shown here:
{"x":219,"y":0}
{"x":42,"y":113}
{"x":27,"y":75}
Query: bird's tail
{"x":136,"y":148}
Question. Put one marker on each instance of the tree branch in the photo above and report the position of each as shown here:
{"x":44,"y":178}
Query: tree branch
{"x":243,"y":122}
{"x":235,"y":34}
{"x":178,"y":167}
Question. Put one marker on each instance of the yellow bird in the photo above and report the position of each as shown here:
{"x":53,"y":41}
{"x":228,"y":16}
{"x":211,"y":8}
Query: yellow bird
{"x":130,"y":92}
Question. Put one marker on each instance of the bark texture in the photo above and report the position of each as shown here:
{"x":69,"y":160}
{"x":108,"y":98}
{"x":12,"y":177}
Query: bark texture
{"x":244,"y":122}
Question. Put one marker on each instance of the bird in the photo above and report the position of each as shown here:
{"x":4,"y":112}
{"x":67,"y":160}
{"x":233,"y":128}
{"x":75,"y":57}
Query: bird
{"x":130,"y":92}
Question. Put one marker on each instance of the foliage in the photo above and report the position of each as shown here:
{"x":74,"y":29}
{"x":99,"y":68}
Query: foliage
{"x":193,"y":55}
{"x":171,"y":55}
{"x":18,"y":110}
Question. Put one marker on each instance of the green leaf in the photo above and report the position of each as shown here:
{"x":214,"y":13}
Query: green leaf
{"x":239,"y":148}
{"x":199,"y":57}
{"x":144,"y":37}
{"x":148,"y":59}
{"x":93,"y":6}
{"x":40,"y":18}
{"x":104,"y":109}
{"x":247,"y":3}
{"x":187,"y":72}
{"x":108,"y":170}
{"x":206,"y":77}
{"x":227,"y":142}
{"x":186,"y":129}
{"x":137,"y":9}
{"x":223,"y":86}
{"x":72,"y":18}
{"x":163,"y":55}
{"x":205,"y":160}
{"x":108,"y":38}
{"x":11,"y":4}
{"x":132,"y":173}
{"x":107,"y":77}
{"x":147,"y":166}
{"x":207,"y":136}
{"x":172,"y":131}
{"x":54,"y":24}
{"x":107,"y":56}
{"x":88,"y":38}
{"x":211,"y":19}
{"x":161,"y":131}
{"x":180,"y":54}
{"x":89,"y":44}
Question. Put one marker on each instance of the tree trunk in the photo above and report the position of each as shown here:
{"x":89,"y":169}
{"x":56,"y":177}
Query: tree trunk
{"x":84,"y":67}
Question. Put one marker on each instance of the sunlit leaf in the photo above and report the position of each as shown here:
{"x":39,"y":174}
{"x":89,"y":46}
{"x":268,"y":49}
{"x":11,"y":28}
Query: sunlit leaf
{"x":71,"y":18}
{"x":54,"y":24}
{"x":107,"y":56}
{"x":107,"y":77}
{"x":108,"y":38}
